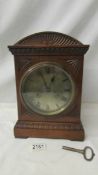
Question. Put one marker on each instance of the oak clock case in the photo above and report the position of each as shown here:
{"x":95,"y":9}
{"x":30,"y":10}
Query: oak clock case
{"x":49,"y":70}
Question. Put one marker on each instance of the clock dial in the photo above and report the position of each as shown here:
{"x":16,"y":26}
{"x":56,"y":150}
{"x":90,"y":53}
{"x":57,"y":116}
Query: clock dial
{"x":47,"y":89}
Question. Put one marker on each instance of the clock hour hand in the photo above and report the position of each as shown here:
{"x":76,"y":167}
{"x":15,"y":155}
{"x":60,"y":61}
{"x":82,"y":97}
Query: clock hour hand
{"x":52,"y":80}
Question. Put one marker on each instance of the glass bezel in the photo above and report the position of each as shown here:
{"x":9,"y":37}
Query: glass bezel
{"x":38,"y":111}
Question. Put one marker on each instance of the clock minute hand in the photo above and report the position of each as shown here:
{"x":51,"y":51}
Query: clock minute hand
{"x":43,"y":78}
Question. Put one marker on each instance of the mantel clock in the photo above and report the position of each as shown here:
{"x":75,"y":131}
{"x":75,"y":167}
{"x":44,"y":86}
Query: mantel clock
{"x":49,"y":69}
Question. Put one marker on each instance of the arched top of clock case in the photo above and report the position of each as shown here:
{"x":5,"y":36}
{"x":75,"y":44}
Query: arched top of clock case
{"x":48,"y":43}
{"x":48,"y":39}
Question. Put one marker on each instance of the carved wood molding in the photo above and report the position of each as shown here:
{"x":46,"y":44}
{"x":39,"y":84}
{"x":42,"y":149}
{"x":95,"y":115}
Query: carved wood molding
{"x":47,"y":125}
{"x":70,"y":50}
{"x":48,"y":43}
{"x":71,"y":61}
{"x":49,"y":38}
{"x":75,"y":64}
{"x":23,"y":63}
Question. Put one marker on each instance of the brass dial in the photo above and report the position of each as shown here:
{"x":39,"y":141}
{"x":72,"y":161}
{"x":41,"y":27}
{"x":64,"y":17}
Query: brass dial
{"x":47,"y":89}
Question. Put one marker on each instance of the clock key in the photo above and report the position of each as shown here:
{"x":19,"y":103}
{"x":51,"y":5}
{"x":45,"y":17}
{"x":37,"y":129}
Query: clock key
{"x":84,"y":152}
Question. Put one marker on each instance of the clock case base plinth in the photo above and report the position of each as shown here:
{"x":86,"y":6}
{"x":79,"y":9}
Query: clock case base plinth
{"x":71,"y":131}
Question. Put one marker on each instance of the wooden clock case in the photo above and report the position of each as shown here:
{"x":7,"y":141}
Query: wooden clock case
{"x":55,"y":48}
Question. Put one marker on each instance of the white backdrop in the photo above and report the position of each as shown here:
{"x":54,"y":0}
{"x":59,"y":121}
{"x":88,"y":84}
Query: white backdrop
{"x":19,"y":18}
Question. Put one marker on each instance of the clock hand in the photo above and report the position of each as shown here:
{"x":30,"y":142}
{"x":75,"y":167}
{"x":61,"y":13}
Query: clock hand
{"x":43,"y":78}
{"x":53,"y":78}
{"x":51,"y":81}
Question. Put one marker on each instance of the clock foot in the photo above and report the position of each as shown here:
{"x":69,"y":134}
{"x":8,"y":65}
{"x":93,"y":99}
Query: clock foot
{"x":20,"y":137}
{"x":70,"y":131}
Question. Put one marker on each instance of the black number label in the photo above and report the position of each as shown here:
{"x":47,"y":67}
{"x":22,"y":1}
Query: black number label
{"x":39,"y":146}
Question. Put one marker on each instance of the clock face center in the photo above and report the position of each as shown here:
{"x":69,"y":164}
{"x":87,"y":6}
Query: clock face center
{"x":47,"y":89}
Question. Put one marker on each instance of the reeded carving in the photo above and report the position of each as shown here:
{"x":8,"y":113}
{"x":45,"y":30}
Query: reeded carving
{"x":48,"y":39}
{"x":48,"y":43}
{"x":75,"y":64}
{"x":53,"y":126}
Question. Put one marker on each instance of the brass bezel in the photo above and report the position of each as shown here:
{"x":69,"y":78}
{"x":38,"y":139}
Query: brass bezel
{"x":27,"y":73}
